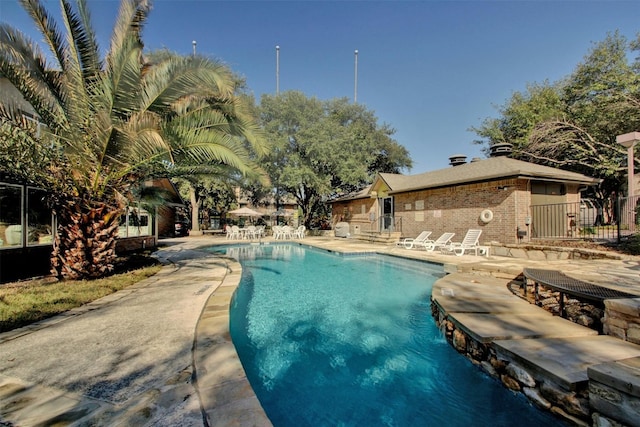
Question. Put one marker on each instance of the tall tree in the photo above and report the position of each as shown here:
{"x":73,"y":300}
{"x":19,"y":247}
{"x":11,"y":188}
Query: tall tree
{"x":110,"y":122}
{"x":581,"y":116}
{"x":208,"y":188}
{"x":521,"y":114}
{"x":321,"y":149}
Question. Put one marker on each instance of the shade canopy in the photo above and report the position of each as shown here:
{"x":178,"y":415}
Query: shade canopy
{"x":245,"y":212}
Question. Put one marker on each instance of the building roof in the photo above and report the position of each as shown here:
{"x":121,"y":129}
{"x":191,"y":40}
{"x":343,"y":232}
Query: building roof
{"x":493,"y":168}
{"x":361,"y":194}
{"x":171,"y":193}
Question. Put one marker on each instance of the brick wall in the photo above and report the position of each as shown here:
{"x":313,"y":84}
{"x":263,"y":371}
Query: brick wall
{"x":358,"y":212}
{"x":132,"y":244}
{"x":457,"y":209}
{"x":452,"y":209}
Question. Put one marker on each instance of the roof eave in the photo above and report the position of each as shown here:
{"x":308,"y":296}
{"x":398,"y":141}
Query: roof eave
{"x":594,"y":181}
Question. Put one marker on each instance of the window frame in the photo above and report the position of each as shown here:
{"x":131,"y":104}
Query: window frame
{"x":5,"y":245}
{"x":52,"y":222}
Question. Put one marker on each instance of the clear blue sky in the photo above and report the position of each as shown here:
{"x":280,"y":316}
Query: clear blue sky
{"x":430,"y":69}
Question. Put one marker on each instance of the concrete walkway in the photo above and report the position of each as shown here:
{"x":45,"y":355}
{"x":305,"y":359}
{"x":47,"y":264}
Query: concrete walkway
{"x":159,"y":353}
{"x":153,"y":354}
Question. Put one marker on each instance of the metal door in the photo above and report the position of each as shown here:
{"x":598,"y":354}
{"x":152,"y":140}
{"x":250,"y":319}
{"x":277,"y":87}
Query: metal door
{"x":387,"y":214}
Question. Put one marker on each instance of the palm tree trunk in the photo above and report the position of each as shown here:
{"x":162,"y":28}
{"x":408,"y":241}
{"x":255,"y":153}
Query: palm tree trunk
{"x":195,"y":210}
{"x":85,"y":242}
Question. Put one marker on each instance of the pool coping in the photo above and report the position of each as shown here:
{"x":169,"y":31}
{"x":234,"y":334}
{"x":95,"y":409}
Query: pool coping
{"x":226,"y":397}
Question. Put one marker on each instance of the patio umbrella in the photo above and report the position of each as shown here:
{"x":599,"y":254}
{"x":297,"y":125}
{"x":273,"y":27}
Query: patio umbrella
{"x":245,"y":212}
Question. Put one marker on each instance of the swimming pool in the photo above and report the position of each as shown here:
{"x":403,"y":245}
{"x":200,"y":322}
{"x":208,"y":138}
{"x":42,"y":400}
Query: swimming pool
{"x":333,"y":340}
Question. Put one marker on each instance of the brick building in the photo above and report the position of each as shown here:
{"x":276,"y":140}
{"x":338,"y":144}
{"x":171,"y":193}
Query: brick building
{"x":493,"y":194}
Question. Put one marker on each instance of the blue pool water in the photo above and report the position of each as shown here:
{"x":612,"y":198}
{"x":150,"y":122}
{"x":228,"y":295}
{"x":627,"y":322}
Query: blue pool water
{"x":331,"y":340}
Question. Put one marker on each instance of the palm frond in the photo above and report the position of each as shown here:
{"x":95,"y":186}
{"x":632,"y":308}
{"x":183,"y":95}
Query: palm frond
{"x":124,"y":58}
{"x":207,"y":147}
{"x":129,"y":22}
{"x":86,"y":40}
{"x":48,"y":28}
{"x":203,"y":169}
{"x":221,"y":115}
{"x":125,"y":74}
{"x":73,"y":71}
{"x":140,"y":141}
{"x":176,"y":77}
{"x":22,"y":63}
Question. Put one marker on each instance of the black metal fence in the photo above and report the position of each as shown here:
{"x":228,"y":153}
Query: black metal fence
{"x":386,"y":224}
{"x":610,"y":220}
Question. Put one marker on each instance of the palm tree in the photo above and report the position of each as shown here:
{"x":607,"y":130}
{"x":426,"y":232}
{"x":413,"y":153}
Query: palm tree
{"x":111,"y":122}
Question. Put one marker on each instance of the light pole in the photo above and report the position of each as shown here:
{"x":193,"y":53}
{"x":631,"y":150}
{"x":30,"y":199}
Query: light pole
{"x":355,"y":86}
{"x":277,"y":70}
{"x":629,"y":141}
{"x":194,"y":47}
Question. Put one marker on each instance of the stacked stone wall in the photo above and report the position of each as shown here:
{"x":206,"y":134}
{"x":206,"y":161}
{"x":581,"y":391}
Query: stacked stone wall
{"x":570,"y":405}
{"x":581,"y":312}
{"x":549,"y":253}
{"x":622,"y":319}
{"x":614,"y":393}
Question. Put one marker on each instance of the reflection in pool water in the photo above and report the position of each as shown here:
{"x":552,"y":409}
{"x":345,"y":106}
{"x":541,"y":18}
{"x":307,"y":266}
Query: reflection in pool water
{"x":330,"y":340}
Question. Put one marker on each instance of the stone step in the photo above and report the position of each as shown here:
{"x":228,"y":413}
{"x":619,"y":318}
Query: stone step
{"x":565,"y":360}
{"x":377,"y":237}
{"x":559,"y":365}
{"x":614,"y":389}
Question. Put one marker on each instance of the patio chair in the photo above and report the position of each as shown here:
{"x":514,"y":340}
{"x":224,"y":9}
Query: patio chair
{"x":440,"y":242}
{"x":469,"y":243}
{"x":235,"y":232}
{"x":287,"y":232}
{"x":409,"y":242}
{"x":277,"y":232}
{"x":299,"y":232}
{"x":250,"y":232}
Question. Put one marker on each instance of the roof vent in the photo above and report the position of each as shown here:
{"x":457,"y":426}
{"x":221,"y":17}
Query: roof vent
{"x":475,"y":159}
{"x":501,"y":149}
{"x":457,"y":160}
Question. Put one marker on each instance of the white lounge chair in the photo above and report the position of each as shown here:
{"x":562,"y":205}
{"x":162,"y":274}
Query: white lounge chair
{"x":469,"y":243}
{"x":409,"y":242}
{"x":440,"y":242}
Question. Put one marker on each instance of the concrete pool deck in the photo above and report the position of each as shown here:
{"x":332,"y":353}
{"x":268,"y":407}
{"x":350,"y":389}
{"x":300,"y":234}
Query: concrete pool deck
{"x":160,"y":353}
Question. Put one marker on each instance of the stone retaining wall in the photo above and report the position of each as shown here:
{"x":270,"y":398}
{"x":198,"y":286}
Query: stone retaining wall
{"x":549,"y":253}
{"x":619,"y":318}
{"x":622,"y":319}
{"x":614,"y":393}
{"x":543,"y":392}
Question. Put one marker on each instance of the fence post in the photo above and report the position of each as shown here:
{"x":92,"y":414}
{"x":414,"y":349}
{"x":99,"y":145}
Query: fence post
{"x":618,"y":219}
